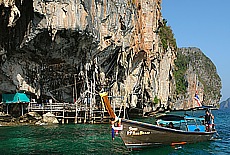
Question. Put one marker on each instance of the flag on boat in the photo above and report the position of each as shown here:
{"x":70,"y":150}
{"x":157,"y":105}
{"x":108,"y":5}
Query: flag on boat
{"x":197,"y":99}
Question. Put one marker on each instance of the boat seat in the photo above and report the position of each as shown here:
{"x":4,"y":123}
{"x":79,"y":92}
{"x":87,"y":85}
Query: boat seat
{"x":199,"y":128}
{"x":177,"y":128}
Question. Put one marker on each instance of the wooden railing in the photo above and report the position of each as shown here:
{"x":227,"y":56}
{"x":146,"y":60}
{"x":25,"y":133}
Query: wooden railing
{"x":51,"y":106}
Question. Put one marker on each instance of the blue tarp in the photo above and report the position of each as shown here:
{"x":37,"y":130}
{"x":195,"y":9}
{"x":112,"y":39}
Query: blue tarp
{"x":15,"y":98}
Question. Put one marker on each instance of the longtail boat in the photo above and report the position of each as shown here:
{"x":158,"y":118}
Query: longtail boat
{"x":183,"y":130}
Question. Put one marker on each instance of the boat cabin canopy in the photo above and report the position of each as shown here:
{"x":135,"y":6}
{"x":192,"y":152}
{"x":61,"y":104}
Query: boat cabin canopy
{"x":171,"y":118}
{"x":15,"y":98}
{"x":186,"y":123}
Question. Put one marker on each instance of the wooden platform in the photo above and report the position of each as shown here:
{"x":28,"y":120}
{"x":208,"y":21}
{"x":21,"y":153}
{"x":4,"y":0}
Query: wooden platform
{"x":71,"y":113}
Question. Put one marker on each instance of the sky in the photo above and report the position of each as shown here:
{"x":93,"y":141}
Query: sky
{"x":204,"y":24}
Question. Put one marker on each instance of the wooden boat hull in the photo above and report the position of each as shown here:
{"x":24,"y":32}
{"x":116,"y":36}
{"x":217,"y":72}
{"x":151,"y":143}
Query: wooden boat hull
{"x":137,"y":134}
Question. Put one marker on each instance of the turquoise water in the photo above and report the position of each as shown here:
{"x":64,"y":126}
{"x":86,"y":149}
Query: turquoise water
{"x":96,"y":139}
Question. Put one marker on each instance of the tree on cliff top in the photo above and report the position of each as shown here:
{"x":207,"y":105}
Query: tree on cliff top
{"x":167,"y":36}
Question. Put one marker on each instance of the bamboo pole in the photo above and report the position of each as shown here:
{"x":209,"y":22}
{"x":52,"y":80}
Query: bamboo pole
{"x":75,"y":99}
{"x":7,"y":109}
{"x":22,"y":108}
{"x":90,"y":108}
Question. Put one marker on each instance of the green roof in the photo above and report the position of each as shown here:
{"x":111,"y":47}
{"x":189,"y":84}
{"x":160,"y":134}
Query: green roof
{"x":15,"y":98}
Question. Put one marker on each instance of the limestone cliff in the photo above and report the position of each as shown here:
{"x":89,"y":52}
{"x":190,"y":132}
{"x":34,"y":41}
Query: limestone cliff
{"x":199,"y":75}
{"x":71,"y":50}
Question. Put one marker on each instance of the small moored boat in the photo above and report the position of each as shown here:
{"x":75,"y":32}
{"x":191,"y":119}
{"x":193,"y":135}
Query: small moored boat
{"x":185,"y":130}
{"x":168,"y":130}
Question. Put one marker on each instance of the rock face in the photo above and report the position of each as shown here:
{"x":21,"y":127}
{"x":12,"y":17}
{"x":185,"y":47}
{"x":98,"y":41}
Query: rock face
{"x":225,"y":105}
{"x":30,"y":118}
{"x":50,"y":118}
{"x":66,"y":49}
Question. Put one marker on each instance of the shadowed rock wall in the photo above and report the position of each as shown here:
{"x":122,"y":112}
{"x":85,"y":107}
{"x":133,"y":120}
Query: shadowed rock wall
{"x":66,"y":49}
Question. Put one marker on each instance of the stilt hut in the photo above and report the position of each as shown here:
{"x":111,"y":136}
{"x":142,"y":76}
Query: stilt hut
{"x":15,"y":103}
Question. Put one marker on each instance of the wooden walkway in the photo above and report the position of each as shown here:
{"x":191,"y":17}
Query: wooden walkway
{"x":66,"y":112}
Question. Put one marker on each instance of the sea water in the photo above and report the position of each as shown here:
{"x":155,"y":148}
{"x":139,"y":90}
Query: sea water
{"x":96,"y":139}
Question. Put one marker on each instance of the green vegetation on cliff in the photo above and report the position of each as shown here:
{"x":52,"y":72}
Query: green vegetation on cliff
{"x":156,"y":100}
{"x":201,"y":66}
{"x":167,"y":36}
{"x":181,"y":64}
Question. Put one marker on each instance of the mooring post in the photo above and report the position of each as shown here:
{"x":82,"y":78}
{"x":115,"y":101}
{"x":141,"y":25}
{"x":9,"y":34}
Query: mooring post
{"x":76,"y":110}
